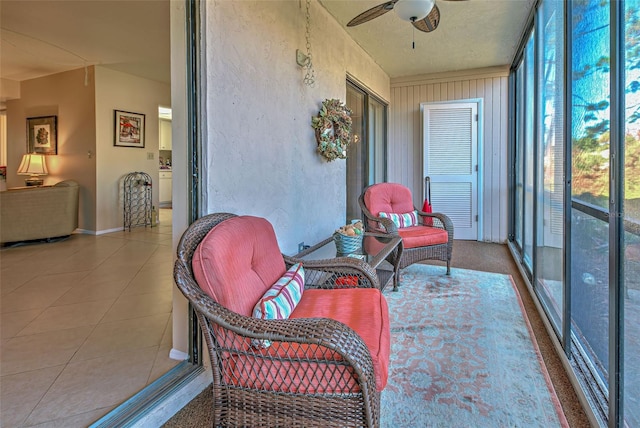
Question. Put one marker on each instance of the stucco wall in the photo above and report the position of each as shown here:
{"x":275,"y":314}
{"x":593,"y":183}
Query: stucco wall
{"x":121,"y":91}
{"x":66,"y":96}
{"x":261,"y":153}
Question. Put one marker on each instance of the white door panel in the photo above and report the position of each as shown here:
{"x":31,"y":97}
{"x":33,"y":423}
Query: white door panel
{"x":450,"y":138}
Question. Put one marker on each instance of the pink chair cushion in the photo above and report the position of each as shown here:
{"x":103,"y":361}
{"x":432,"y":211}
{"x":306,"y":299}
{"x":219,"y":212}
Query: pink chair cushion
{"x":422,"y":236}
{"x":389,"y":198}
{"x":238,"y":261}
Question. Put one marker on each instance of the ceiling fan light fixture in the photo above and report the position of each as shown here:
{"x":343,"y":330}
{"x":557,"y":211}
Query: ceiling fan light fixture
{"x":413,"y":10}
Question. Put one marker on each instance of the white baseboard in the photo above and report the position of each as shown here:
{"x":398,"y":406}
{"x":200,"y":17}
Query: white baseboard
{"x":102,"y":232}
{"x":97,"y":232}
{"x":174,"y":354}
{"x":84,"y":232}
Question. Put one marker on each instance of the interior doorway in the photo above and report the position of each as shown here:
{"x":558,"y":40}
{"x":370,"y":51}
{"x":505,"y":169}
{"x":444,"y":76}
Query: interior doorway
{"x":165,"y":158}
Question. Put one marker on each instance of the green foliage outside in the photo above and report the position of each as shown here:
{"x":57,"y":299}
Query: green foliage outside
{"x":591,"y":165}
{"x":590,"y":152}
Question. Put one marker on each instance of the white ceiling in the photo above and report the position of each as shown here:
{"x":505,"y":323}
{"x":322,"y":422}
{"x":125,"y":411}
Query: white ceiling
{"x":471,"y":34}
{"x":45,"y":37}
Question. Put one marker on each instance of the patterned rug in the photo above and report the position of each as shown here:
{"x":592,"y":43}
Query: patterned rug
{"x":462,"y":355}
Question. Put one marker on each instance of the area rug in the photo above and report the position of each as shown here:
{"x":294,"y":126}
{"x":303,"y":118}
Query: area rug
{"x":463,"y":355}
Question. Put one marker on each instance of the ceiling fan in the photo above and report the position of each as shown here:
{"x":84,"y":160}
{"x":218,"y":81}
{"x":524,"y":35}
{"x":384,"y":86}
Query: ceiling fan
{"x":423,"y":14}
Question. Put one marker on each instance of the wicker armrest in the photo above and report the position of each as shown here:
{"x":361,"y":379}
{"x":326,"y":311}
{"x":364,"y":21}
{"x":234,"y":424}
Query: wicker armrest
{"x":388,"y":225}
{"x":330,"y":273}
{"x":444,"y":222}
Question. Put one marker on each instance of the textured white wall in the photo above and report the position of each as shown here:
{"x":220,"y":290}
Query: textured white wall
{"x":261,"y":152}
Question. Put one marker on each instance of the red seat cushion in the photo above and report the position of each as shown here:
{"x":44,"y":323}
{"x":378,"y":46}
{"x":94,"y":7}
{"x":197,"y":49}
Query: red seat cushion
{"x":368,"y":315}
{"x":423,"y":236}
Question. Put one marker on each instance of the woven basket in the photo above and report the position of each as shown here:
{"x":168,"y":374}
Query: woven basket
{"x":347,"y":244}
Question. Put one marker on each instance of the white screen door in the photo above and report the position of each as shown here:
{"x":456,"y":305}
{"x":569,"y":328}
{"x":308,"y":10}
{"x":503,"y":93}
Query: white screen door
{"x":450,"y":138}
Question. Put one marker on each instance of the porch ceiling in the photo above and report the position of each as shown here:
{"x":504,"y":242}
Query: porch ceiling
{"x":471,"y":34}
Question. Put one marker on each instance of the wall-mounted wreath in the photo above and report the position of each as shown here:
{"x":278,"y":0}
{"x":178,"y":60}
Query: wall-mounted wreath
{"x":333,"y":129}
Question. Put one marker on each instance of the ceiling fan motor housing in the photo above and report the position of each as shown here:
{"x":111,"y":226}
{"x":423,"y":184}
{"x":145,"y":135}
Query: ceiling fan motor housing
{"x":413,"y":10}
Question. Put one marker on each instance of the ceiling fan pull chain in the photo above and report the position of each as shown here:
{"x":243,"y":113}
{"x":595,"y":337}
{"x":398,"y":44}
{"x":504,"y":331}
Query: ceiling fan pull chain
{"x":413,"y":35}
{"x":310,"y":76}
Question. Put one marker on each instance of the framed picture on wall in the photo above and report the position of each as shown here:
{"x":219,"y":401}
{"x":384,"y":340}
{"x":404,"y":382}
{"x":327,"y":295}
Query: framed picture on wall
{"x":129,"y":129}
{"x":42,"y":135}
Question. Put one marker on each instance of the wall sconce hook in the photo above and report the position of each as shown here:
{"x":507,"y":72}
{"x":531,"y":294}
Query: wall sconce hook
{"x":301,"y":59}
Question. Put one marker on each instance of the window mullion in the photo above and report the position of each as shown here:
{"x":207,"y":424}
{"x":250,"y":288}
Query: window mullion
{"x":616,"y":229}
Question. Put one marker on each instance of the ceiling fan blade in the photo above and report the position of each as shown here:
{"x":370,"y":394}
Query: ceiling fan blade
{"x":430,"y":22}
{"x":374,"y":12}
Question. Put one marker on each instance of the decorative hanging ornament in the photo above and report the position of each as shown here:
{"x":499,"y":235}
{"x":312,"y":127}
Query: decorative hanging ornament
{"x":333,"y":129}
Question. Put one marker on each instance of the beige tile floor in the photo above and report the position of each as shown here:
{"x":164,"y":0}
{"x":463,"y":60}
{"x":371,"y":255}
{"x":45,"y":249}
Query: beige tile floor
{"x":85,"y":323}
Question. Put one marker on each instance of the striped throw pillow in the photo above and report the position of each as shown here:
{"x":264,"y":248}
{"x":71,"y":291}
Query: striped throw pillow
{"x":281,"y":299}
{"x":402,"y":220}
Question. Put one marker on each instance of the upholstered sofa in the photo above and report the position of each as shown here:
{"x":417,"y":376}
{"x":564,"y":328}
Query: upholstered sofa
{"x":32,"y":213}
{"x":323,"y":364}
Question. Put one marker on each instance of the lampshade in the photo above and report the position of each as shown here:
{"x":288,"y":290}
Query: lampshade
{"x":33,"y":165}
{"x":413,"y":10}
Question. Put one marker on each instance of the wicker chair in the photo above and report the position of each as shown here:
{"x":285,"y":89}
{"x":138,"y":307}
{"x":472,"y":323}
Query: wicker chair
{"x":317,"y":372}
{"x":431,"y":239}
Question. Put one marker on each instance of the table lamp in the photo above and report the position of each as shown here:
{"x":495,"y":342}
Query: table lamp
{"x":34,"y":166}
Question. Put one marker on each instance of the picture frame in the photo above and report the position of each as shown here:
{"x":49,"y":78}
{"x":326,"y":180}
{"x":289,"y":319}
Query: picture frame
{"x":42,"y":135}
{"x":129,"y":129}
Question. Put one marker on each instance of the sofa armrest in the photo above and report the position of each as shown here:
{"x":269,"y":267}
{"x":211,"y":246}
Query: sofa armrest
{"x":66,"y":183}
